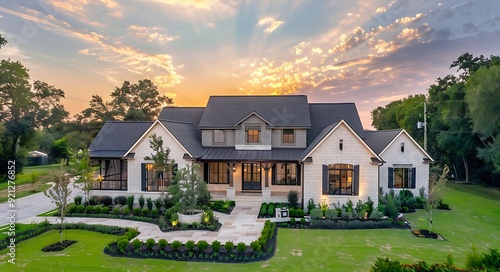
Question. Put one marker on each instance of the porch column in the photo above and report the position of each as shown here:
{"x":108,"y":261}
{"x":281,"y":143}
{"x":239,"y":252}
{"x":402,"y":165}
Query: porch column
{"x":231,"y":191}
{"x":231,"y":166}
{"x":267,"y":166}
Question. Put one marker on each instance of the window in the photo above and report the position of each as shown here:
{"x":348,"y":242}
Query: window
{"x":288,"y":136}
{"x":402,"y":177}
{"x":340,"y":177}
{"x":154,"y":180}
{"x":219,"y":136}
{"x":218,"y":173}
{"x":286,"y":174}
{"x":253,"y":135}
{"x":112,"y":175}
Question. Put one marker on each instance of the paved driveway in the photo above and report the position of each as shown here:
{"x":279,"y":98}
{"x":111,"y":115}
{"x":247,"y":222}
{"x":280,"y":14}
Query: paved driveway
{"x":30,"y":206}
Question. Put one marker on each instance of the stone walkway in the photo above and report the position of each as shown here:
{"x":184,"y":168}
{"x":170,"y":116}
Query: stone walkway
{"x":241,"y":225}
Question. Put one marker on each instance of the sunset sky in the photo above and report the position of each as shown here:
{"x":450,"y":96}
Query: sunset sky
{"x":367,"y":52}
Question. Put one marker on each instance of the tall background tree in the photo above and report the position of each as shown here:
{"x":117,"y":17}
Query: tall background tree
{"x":140,"y":101}
{"x":483,"y":97}
{"x":24,"y":108}
{"x":463,"y":115}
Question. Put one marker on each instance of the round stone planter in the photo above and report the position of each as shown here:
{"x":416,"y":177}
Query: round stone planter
{"x":190,"y":219}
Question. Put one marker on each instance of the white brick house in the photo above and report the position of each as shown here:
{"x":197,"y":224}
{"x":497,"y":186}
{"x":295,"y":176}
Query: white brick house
{"x":258,"y":147}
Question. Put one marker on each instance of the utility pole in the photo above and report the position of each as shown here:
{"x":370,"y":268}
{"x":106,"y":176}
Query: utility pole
{"x":425,"y":125}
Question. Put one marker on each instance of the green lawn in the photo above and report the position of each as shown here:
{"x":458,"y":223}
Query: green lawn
{"x":474,"y":219}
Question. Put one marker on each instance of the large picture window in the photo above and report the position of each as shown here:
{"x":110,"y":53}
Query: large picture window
{"x":218,"y":173}
{"x":253,"y":135}
{"x":155,"y":180}
{"x":219,"y":136}
{"x":340,"y":178}
{"x":286,"y":174}
{"x":402,"y":177}
{"x":288,"y":136}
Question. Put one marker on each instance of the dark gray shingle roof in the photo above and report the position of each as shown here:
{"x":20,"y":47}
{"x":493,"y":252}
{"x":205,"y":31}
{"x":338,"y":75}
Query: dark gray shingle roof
{"x":182,"y":114}
{"x":116,"y":137}
{"x":280,"y":111}
{"x":231,"y":154}
{"x":187,"y":134}
{"x":326,"y":114}
{"x":379,"y":139}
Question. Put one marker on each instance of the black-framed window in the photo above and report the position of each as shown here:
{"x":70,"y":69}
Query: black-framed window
{"x":286,"y":174}
{"x":156,"y":180}
{"x":218,"y":173}
{"x":113,"y":175}
{"x":340,"y":179}
{"x":402,"y":178}
{"x":253,"y":135}
{"x":219,"y":136}
{"x":288,"y":136}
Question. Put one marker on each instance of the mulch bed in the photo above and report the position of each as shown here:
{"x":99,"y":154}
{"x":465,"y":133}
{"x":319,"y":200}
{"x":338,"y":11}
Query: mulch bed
{"x":426,"y":234}
{"x":58,"y":246}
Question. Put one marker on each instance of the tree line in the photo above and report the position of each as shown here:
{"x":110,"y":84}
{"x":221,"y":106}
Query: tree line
{"x":33,"y":117}
{"x":463,"y":119}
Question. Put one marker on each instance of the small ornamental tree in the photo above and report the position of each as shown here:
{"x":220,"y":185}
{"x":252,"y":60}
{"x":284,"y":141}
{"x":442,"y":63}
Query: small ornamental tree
{"x":60,"y":193}
{"x":161,"y":158}
{"x":188,"y":188}
{"x":437,"y":187}
{"x":86,"y":173}
{"x":34,"y":179}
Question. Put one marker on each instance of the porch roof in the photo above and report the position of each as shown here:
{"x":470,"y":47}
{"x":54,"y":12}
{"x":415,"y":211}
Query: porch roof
{"x":231,"y":154}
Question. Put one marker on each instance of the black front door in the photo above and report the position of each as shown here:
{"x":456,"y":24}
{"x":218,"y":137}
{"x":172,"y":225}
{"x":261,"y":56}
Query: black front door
{"x":251,"y":176}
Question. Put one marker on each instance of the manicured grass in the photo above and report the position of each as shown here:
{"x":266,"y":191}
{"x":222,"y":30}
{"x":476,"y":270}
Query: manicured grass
{"x":473,"y":219}
{"x":19,"y":227}
{"x":41,"y":170}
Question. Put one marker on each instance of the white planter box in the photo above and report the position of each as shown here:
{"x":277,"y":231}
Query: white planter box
{"x":190,"y":219}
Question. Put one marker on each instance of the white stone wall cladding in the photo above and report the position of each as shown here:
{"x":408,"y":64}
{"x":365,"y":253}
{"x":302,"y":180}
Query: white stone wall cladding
{"x":411,"y":155}
{"x":142,"y":149}
{"x":354,"y":152}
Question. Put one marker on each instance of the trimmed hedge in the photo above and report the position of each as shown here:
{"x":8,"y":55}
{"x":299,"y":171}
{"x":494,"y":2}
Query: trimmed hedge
{"x":259,"y":250}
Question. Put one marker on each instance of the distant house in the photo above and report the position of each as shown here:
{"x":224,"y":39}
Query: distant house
{"x":37,"y":158}
{"x":261,"y":147}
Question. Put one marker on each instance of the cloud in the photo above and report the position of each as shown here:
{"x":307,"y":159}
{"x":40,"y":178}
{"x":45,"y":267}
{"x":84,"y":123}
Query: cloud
{"x":193,"y":8}
{"x":151,"y":34}
{"x":271,"y":23}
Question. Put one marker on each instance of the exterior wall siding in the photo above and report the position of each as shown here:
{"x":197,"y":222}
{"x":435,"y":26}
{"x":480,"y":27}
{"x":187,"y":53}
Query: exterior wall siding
{"x":300,"y":139}
{"x":355,"y":153}
{"x":207,"y":138}
{"x":411,"y":156}
{"x":265,"y":135}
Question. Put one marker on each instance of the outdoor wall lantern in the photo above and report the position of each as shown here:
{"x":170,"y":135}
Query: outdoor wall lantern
{"x":341,"y":144}
{"x":402,"y":147}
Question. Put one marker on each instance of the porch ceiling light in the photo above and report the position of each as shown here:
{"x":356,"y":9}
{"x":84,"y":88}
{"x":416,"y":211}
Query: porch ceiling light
{"x":234,"y":168}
